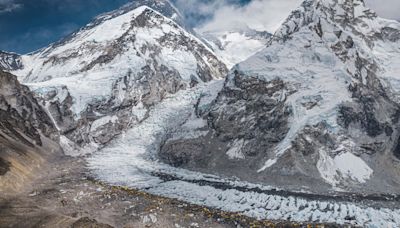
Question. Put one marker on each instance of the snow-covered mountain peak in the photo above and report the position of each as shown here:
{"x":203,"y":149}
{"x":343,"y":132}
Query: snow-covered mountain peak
{"x":105,"y":31}
{"x":123,"y":60}
{"x":350,"y":15}
{"x":107,"y":40}
{"x":350,"y":30}
{"x":165,"y":7}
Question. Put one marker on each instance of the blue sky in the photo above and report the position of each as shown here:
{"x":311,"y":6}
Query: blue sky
{"x":27,"y":25}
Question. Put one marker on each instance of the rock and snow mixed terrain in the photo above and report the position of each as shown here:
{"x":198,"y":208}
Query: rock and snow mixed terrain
{"x":10,"y":61}
{"x":103,"y":78}
{"x":132,"y":161}
{"x":316,"y":108}
{"x":305,"y":129}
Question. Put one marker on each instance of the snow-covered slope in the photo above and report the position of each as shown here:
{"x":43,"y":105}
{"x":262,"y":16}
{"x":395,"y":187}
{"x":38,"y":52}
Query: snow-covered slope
{"x":317,"y":108}
{"x":103,"y":78}
{"x":165,"y":7}
{"x":236,"y":45}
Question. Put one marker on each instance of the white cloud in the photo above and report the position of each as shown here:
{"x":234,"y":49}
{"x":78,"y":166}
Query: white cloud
{"x":262,"y":15}
{"x":8,"y":6}
{"x":385,"y":8}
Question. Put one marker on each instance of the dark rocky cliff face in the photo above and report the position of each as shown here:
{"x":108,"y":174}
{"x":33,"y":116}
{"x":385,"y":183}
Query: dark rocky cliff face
{"x":21,"y":115}
{"x":27,"y":133}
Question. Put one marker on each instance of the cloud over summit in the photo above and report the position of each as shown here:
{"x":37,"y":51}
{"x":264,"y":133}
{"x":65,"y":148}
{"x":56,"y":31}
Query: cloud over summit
{"x":262,"y":15}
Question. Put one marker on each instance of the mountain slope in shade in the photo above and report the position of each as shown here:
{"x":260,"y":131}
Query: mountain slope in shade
{"x":103,"y":78}
{"x":27,"y":133}
{"x":317,"y":108}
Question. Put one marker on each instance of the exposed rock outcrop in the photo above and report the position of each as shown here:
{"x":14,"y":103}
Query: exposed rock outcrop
{"x":27,"y":133}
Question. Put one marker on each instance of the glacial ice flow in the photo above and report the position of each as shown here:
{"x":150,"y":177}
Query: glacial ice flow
{"x":131,"y":161}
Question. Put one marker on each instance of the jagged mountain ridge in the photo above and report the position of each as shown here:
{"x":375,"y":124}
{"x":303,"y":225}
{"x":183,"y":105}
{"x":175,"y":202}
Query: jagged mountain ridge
{"x":165,"y":7}
{"x":103,"y":78}
{"x":316,"y":108}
